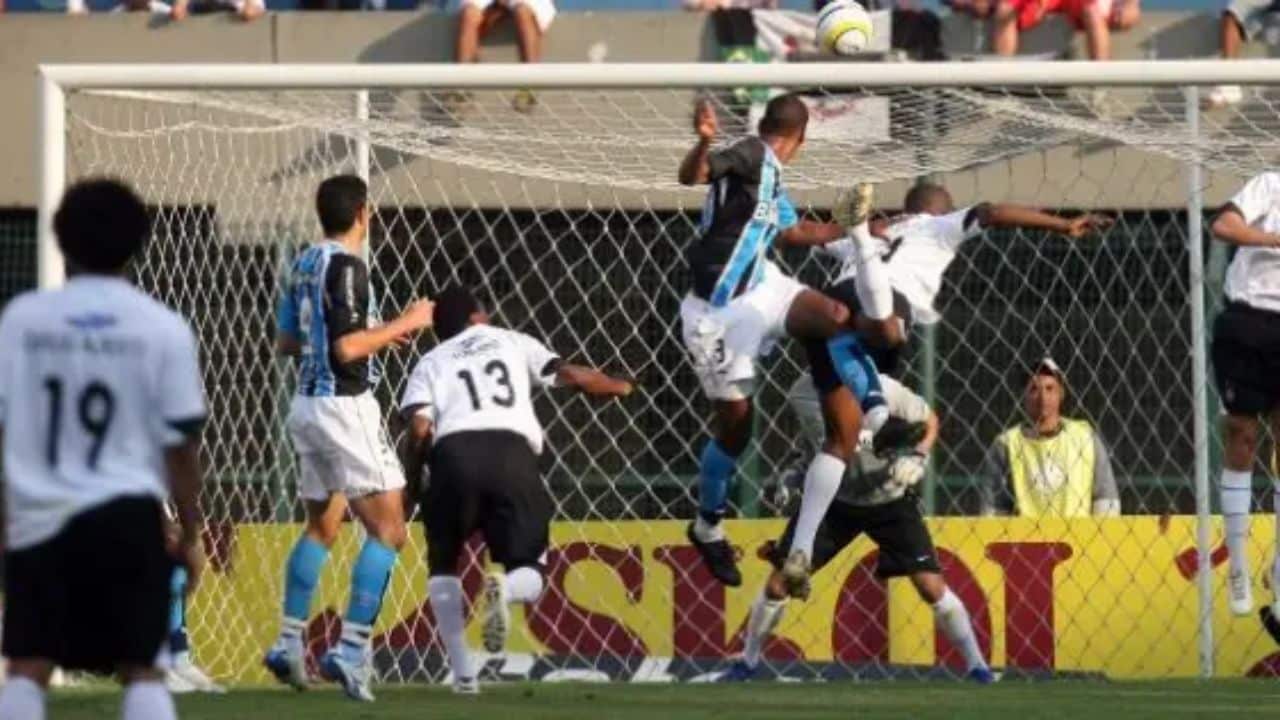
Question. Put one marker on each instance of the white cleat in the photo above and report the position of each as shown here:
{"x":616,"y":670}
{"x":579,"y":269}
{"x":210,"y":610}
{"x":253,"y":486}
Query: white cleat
{"x":356,"y":679}
{"x":795,"y":573}
{"x":186,"y":677}
{"x":466,"y":686}
{"x":288,"y":667}
{"x":853,"y":206}
{"x":1240,"y":593}
{"x":497,"y":617}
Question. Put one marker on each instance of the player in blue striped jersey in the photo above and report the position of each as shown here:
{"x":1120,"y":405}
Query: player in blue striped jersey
{"x":328,"y":321}
{"x":741,"y":303}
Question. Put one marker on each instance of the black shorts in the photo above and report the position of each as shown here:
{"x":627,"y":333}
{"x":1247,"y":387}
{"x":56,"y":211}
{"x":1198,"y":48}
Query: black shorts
{"x":1246,"y":359}
{"x":485,"y":480}
{"x":96,"y":595}
{"x":897,"y":528}
{"x":888,"y":360}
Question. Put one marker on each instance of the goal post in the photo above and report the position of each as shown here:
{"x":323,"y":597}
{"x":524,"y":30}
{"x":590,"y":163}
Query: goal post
{"x":569,"y":219}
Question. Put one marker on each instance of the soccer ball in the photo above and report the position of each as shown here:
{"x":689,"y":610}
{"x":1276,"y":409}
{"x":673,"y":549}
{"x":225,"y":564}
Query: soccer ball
{"x":844,"y":27}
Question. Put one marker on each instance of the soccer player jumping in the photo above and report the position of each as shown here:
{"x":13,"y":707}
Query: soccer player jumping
{"x":741,"y":303}
{"x":327,"y":319}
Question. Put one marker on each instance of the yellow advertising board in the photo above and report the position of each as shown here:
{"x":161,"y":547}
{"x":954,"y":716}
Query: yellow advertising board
{"x":1114,"y":597}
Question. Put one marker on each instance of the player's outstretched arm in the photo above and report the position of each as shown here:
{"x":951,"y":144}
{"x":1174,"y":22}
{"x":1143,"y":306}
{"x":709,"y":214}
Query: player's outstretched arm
{"x":592,"y":382}
{"x":363,"y":343}
{"x":809,"y":233}
{"x":695,"y":169}
{"x":1018,"y":216}
{"x":182,"y":463}
{"x":1231,"y":227}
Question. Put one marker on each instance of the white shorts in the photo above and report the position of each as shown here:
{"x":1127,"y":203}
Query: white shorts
{"x":724,"y":343}
{"x":544,"y":11}
{"x":342,"y":447}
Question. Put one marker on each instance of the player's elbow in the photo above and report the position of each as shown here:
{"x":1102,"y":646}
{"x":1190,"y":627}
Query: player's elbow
{"x":347,"y":349}
{"x":1225,"y":225}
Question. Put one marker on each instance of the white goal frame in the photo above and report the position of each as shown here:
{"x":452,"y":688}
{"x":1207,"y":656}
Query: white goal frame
{"x":55,"y":81}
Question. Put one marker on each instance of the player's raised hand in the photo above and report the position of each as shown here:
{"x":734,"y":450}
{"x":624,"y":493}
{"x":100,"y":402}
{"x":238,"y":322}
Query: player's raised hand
{"x":1083,"y":225}
{"x":704,"y":120}
{"x":419,"y":314}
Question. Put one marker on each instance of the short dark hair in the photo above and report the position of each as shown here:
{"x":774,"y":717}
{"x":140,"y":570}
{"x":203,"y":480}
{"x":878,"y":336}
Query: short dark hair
{"x":339,"y":201}
{"x":784,"y":115}
{"x":101,"y":224}
{"x":453,"y":311}
{"x":925,"y":197}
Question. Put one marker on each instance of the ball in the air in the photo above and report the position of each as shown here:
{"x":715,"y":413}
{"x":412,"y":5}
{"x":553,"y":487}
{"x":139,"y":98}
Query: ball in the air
{"x":844,"y":27}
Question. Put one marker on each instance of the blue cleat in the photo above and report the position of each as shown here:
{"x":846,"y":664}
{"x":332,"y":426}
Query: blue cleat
{"x":354,"y":679}
{"x":981,"y":676}
{"x":289,"y":669}
{"x":738,"y":672}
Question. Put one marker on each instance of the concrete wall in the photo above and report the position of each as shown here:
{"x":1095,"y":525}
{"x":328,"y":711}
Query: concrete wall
{"x":26,"y":40}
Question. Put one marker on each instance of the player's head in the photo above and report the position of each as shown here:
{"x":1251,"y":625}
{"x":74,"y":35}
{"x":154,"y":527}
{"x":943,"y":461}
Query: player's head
{"x":784,"y":122}
{"x":928,"y":199}
{"x":1045,"y":391}
{"x":456,"y":310}
{"x":342,"y":204}
{"x":101,"y":224}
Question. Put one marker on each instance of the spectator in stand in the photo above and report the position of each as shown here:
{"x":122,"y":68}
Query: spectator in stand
{"x":1095,"y":18}
{"x":179,"y":9}
{"x":532,"y":19}
{"x":1241,"y":20}
{"x":1050,"y":466}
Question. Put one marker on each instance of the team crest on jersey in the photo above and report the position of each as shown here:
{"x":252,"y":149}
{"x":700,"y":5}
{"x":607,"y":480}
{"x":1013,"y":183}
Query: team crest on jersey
{"x":91,"y":321}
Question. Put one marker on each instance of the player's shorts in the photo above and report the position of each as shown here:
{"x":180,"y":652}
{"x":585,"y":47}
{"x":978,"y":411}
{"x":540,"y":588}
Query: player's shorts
{"x":342,"y":447}
{"x":724,"y":343}
{"x":544,"y":11}
{"x":1246,"y":359}
{"x":1031,"y":12}
{"x":897,"y":528}
{"x":485,"y":480}
{"x":96,"y":595}
{"x":1253,"y":15}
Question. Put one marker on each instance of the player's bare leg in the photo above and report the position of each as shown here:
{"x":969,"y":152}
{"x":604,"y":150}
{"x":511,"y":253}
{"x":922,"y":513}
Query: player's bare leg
{"x":382,"y":515}
{"x":529,"y":41}
{"x":287,"y":658}
{"x":843,"y":418}
{"x":715,"y":477}
{"x":145,"y":695}
{"x":1004,"y":29}
{"x":1240,"y":446}
{"x":953,"y":617}
{"x":23,"y":695}
{"x":1271,"y":613}
{"x":470,"y":20}
{"x":814,"y":316}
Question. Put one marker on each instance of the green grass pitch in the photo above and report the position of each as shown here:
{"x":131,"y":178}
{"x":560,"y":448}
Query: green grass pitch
{"x":1091,"y":700}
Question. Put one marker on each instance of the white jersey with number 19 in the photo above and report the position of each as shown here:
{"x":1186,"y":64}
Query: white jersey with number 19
{"x":482,"y":379}
{"x":96,"y":380}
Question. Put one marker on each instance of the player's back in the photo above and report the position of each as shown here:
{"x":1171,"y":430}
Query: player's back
{"x":95,"y":379}
{"x":482,"y":379}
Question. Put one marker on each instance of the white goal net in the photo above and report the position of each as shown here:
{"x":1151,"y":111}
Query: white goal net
{"x":569,"y":220}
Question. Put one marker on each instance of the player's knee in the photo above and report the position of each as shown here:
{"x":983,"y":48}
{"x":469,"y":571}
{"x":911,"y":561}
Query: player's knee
{"x":324,"y":533}
{"x":1006,"y":12}
{"x":36,"y":670}
{"x":929,"y":586}
{"x":733,"y":425}
{"x":522,"y":13}
{"x":470,"y":18}
{"x":393,"y":535}
{"x":776,"y":587}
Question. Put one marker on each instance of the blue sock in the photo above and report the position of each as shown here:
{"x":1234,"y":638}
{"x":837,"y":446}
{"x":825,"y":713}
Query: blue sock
{"x":301,"y":576}
{"x":178,"y":641}
{"x":369,"y":580}
{"x":856,"y":370}
{"x":715,"y":473}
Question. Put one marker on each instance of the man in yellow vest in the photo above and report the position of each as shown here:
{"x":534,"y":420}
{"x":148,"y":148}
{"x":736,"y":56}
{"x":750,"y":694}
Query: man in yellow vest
{"x":1049,"y":466}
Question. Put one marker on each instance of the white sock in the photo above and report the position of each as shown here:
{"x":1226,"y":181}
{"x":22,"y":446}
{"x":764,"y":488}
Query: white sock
{"x":291,"y":633}
{"x":147,"y":700}
{"x":765,"y":614}
{"x":21,"y":699}
{"x":875,"y":294}
{"x":821,"y":483}
{"x":446,"y":602}
{"x":524,"y":584}
{"x":1235,"y":488}
{"x":705,"y":531}
{"x":353,"y":643}
{"x":952,"y":615}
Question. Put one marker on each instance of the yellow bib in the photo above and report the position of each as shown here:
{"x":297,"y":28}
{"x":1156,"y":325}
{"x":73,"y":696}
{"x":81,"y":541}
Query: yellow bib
{"x":1052,"y":477}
